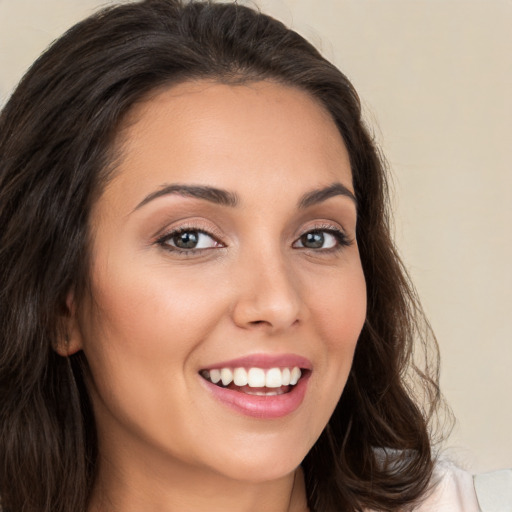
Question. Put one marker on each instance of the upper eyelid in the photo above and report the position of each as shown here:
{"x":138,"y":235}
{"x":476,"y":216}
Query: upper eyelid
{"x":324,"y":226}
{"x":192,"y":225}
{"x":212,"y":233}
{"x":169,"y":234}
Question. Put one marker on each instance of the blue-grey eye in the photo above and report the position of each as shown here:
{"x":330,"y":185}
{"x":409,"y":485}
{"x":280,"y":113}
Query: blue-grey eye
{"x":318,"y":240}
{"x":191,"y":239}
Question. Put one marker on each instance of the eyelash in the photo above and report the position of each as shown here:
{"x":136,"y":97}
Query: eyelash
{"x":163,"y":240}
{"x":341,"y":238}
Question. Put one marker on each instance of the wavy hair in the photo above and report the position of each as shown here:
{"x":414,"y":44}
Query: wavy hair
{"x":57,"y":151}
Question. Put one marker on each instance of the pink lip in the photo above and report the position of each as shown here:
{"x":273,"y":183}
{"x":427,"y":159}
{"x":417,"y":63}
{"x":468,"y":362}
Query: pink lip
{"x":264,"y":407}
{"x":264,"y":361}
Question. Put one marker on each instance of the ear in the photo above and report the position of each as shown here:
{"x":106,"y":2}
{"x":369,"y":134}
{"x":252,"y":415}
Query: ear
{"x":69,"y":337}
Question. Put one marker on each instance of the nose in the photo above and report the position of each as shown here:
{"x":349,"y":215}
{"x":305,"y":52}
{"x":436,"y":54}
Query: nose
{"x":268,"y":295}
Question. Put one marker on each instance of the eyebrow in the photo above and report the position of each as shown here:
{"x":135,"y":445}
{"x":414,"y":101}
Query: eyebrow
{"x":231,"y":199}
{"x":322,"y":194}
{"x":212,"y":194}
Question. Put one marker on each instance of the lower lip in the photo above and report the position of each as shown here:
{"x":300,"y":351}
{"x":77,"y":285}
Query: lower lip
{"x":264,"y":407}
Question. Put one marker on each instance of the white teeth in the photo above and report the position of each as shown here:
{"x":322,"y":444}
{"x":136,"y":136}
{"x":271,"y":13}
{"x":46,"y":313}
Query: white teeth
{"x":285,"y":377}
{"x":215,"y":376}
{"x":256,"y":378}
{"x":255,"y":393}
{"x":258,"y":392}
{"x":273,"y":378}
{"x":240,"y":377}
{"x":295,"y":376}
{"x":226,"y":376}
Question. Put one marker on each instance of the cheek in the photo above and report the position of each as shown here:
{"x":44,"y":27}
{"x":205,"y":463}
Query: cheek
{"x":144,"y":330}
{"x":153,"y":310}
{"x":339,"y":313}
{"x":340,"y":310}
{"x":141,"y":340}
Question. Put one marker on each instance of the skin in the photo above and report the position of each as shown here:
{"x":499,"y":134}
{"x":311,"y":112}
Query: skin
{"x":157,"y":316}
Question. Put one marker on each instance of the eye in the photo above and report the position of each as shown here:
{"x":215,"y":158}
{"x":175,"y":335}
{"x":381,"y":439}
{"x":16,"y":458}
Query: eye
{"x":322,"y":239}
{"x":188,"y":239}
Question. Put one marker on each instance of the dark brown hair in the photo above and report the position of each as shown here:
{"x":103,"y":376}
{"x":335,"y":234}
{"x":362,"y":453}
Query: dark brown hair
{"x":56,"y":151}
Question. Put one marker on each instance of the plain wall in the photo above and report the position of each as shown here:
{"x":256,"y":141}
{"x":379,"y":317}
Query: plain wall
{"x":435,"y":77}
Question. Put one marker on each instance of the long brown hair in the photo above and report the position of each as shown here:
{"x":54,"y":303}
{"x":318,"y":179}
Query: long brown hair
{"x":56,"y":152}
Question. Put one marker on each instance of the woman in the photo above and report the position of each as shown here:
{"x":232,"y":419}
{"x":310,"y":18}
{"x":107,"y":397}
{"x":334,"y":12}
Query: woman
{"x":201,"y":303}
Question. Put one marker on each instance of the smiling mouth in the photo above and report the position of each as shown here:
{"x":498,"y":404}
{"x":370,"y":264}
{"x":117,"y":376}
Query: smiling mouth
{"x":256,"y":381}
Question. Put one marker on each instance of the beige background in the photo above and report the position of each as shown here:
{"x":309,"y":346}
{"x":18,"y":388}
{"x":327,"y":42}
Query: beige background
{"x":435,"y":77}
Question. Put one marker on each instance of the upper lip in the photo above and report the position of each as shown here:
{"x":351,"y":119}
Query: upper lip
{"x":264,"y":361}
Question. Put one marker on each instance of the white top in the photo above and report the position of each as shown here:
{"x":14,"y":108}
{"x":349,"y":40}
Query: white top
{"x":494,"y":491}
{"x":458,"y":491}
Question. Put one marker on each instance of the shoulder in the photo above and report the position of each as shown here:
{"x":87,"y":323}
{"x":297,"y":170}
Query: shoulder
{"x":456,"y":490}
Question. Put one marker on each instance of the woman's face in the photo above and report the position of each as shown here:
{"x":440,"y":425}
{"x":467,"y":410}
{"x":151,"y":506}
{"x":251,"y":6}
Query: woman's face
{"x":224,"y":244}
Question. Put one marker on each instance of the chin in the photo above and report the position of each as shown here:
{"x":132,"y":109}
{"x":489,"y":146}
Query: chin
{"x":262,"y":461}
{"x":259,"y":471}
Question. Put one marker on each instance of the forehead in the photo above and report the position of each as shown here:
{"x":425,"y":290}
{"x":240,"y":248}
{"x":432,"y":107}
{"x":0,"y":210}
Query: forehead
{"x":203,"y":132}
